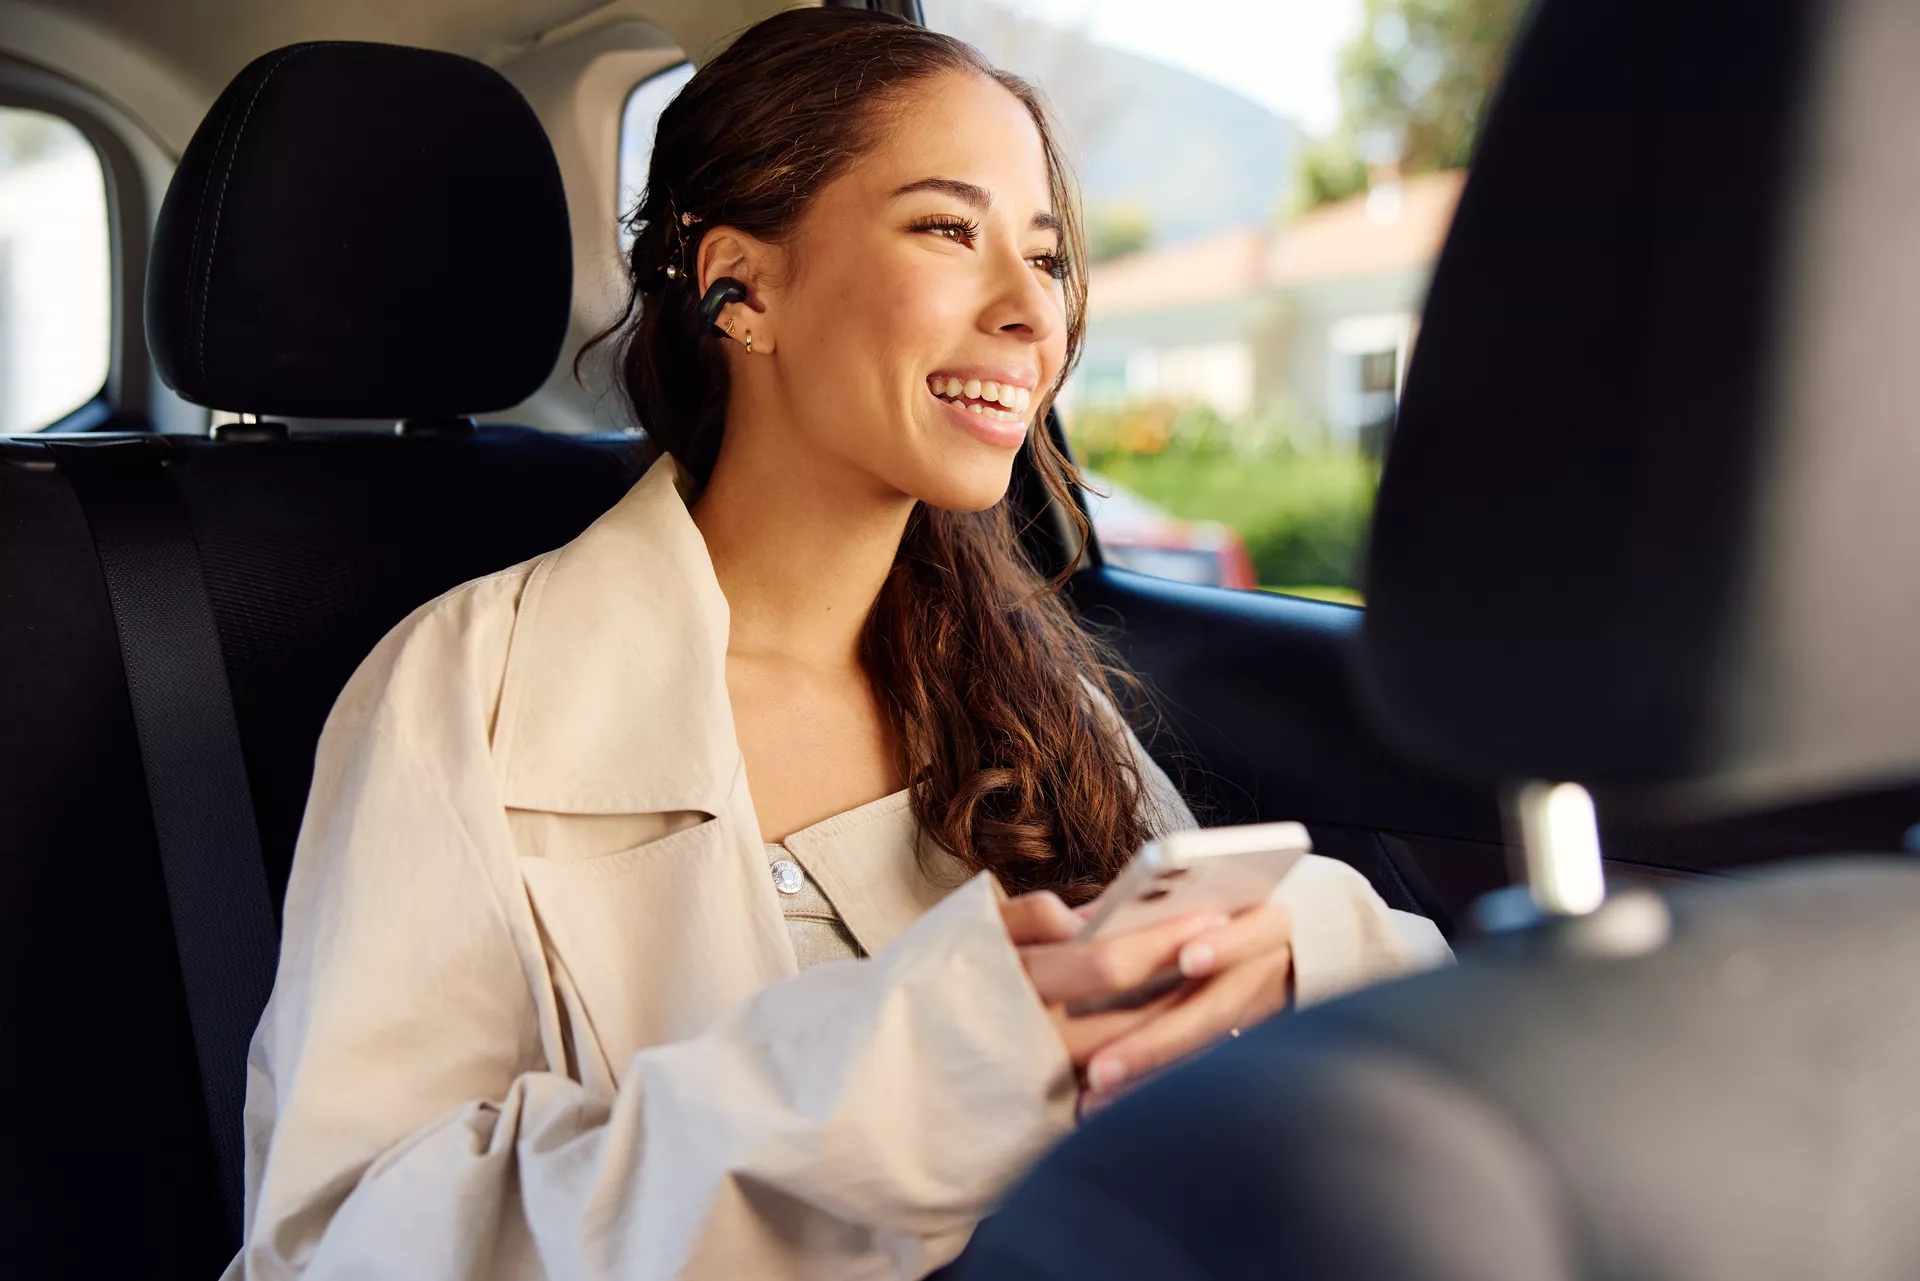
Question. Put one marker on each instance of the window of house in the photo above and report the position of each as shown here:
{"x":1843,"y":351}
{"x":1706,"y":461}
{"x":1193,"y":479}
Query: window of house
{"x":56,"y":308}
{"x":1267,"y":184}
{"x":638,"y":120}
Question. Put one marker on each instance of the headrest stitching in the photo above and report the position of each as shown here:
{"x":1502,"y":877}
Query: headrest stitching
{"x":206,"y":281}
{"x":199,"y":226}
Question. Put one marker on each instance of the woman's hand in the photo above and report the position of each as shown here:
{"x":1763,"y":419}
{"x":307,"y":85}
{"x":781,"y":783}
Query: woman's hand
{"x":1063,"y":971}
{"x":1237,"y":973}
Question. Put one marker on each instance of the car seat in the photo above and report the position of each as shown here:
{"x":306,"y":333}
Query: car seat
{"x":356,"y":231}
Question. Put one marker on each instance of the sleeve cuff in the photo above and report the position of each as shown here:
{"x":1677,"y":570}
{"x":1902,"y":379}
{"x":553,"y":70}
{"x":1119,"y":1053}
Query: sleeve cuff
{"x":1345,"y":936}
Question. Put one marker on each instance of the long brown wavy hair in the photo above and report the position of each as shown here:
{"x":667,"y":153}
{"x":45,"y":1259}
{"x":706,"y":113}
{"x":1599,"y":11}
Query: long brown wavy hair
{"x":1005,"y":710}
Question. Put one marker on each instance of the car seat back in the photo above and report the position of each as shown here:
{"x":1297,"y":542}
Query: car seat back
{"x":356,"y":230}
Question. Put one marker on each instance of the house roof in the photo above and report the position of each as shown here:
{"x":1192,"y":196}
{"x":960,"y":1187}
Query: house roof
{"x":1386,"y":230}
{"x":1227,"y":264}
{"x":1367,"y":235}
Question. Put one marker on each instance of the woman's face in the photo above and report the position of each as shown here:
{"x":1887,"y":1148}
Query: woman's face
{"x":924,"y":315}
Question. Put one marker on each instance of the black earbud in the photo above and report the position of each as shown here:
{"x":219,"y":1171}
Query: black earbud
{"x":719,"y":294}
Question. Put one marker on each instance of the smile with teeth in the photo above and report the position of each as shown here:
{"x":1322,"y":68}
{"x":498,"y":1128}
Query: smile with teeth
{"x":1002,"y":401}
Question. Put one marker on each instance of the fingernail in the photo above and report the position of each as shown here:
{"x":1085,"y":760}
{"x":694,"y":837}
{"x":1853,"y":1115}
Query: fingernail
{"x":1196,"y":959}
{"x":1104,"y":1074}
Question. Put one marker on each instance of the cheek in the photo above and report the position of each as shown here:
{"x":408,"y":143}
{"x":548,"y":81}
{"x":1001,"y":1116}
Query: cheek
{"x":917,"y":314}
{"x":875,"y":332}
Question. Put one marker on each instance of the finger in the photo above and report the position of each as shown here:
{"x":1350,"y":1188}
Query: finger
{"x":1234,"y":998}
{"x":1077,"y":971}
{"x":1039,"y":917}
{"x":1083,"y":1034}
{"x":1253,"y":933}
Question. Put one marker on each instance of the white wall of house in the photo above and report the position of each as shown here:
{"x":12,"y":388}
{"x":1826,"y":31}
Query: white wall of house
{"x":1321,"y":335}
{"x":1302,"y":355}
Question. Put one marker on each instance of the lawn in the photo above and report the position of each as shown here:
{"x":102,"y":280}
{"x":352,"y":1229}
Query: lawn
{"x":1302,"y":514}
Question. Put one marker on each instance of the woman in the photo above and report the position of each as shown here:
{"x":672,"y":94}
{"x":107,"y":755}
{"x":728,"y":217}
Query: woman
{"x":648,"y":918}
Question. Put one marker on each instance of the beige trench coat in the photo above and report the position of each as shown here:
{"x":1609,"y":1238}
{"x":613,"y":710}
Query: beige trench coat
{"x":537,"y":1013}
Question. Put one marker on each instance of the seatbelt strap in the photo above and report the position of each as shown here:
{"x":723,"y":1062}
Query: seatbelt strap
{"x":223,"y":922}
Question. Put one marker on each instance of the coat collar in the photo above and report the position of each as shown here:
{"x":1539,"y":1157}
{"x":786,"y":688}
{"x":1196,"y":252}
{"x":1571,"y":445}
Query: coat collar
{"x":615,"y":694}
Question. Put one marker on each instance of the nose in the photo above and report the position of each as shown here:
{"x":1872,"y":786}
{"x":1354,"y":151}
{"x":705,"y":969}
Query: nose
{"x":1021,"y":306}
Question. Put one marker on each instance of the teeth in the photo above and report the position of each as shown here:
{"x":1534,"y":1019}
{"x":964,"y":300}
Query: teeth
{"x":985,"y":393}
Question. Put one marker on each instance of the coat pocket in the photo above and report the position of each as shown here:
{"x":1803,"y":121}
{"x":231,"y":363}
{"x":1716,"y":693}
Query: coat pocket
{"x":548,"y":834}
{"x":659,"y":939}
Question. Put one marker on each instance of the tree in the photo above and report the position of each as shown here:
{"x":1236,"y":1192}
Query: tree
{"x":1413,"y":85}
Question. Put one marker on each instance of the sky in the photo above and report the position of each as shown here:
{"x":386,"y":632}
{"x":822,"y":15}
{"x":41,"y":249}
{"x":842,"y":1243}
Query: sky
{"x":1279,"y":52}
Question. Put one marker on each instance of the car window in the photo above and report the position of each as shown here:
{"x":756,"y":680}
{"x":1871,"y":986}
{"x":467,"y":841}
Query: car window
{"x":56,"y":310}
{"x":1267,"y":184}
{"x":637,"y":122}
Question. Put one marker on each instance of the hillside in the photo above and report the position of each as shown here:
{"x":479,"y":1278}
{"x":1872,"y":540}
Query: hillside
{"x":1196,"y":156}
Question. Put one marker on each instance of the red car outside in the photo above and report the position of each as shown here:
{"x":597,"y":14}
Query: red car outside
{"x":1135,"y":534}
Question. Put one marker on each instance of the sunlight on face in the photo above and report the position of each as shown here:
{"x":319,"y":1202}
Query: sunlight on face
{"x":926,"y":320}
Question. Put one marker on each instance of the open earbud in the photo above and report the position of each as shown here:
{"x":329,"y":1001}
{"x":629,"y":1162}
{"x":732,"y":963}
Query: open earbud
{"x":718,"y":295}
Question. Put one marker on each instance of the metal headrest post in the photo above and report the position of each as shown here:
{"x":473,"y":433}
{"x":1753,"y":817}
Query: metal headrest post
{"x":1561,"y":902}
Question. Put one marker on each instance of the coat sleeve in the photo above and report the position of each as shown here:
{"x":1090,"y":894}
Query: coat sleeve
{"x":1344,"y":934}
{"x":405,"y":1117}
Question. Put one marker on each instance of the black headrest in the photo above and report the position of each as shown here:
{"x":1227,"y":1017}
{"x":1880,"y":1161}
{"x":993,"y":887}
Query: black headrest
{"x":1651,"y":516}
{"x":362,"y":231}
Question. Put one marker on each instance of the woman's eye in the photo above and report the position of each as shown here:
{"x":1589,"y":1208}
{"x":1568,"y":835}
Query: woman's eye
{"x":1054,"y":265}
{"x":958,"y":231}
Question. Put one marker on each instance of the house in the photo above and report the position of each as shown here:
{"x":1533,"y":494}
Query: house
{"x":1308,"y":323}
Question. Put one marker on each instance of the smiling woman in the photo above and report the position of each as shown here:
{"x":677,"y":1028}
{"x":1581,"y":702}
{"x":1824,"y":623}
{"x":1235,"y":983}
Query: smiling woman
{"x":650,"y":914}
{"x":947,"y":255}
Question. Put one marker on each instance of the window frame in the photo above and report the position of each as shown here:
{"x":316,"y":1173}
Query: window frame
{"x":908,"y":9}
{"x":620,"y":190}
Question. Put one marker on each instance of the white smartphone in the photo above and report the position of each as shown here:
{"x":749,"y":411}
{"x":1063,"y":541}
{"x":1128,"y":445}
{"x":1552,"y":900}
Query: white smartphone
{"x":1216,"y":869}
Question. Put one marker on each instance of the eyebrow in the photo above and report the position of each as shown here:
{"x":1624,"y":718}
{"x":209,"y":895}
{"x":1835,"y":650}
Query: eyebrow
{"x":973,"y":195}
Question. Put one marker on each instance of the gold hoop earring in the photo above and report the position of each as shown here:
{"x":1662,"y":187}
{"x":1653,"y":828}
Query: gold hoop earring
{"x":749,"y":342}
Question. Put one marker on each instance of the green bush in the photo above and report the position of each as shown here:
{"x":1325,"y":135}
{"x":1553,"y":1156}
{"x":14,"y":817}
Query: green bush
{"x":1302,"y":513}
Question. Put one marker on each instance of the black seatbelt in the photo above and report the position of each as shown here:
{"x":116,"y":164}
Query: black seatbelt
{"x":223,"y":923}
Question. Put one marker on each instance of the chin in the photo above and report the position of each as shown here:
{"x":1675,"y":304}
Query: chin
{"x":970,"y":487}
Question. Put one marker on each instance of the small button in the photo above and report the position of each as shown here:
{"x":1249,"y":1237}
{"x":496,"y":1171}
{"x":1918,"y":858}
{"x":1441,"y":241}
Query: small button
{"x":787,"y":877}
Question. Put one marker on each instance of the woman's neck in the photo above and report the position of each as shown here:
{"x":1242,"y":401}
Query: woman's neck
{"x":801,"y":545}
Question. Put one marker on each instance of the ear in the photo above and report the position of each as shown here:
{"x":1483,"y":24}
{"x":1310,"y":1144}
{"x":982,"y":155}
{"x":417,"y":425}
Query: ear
{"x":728,"y":251}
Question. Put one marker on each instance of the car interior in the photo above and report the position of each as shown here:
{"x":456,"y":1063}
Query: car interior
{"x":319,"y":415}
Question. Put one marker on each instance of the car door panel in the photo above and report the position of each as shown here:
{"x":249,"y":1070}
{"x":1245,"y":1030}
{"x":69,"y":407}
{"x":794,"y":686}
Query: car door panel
{"x":1260,"y":722}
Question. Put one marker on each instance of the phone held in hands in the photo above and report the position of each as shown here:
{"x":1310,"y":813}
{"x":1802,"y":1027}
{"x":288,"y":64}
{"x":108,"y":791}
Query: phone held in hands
{"x":1223,"y":870}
